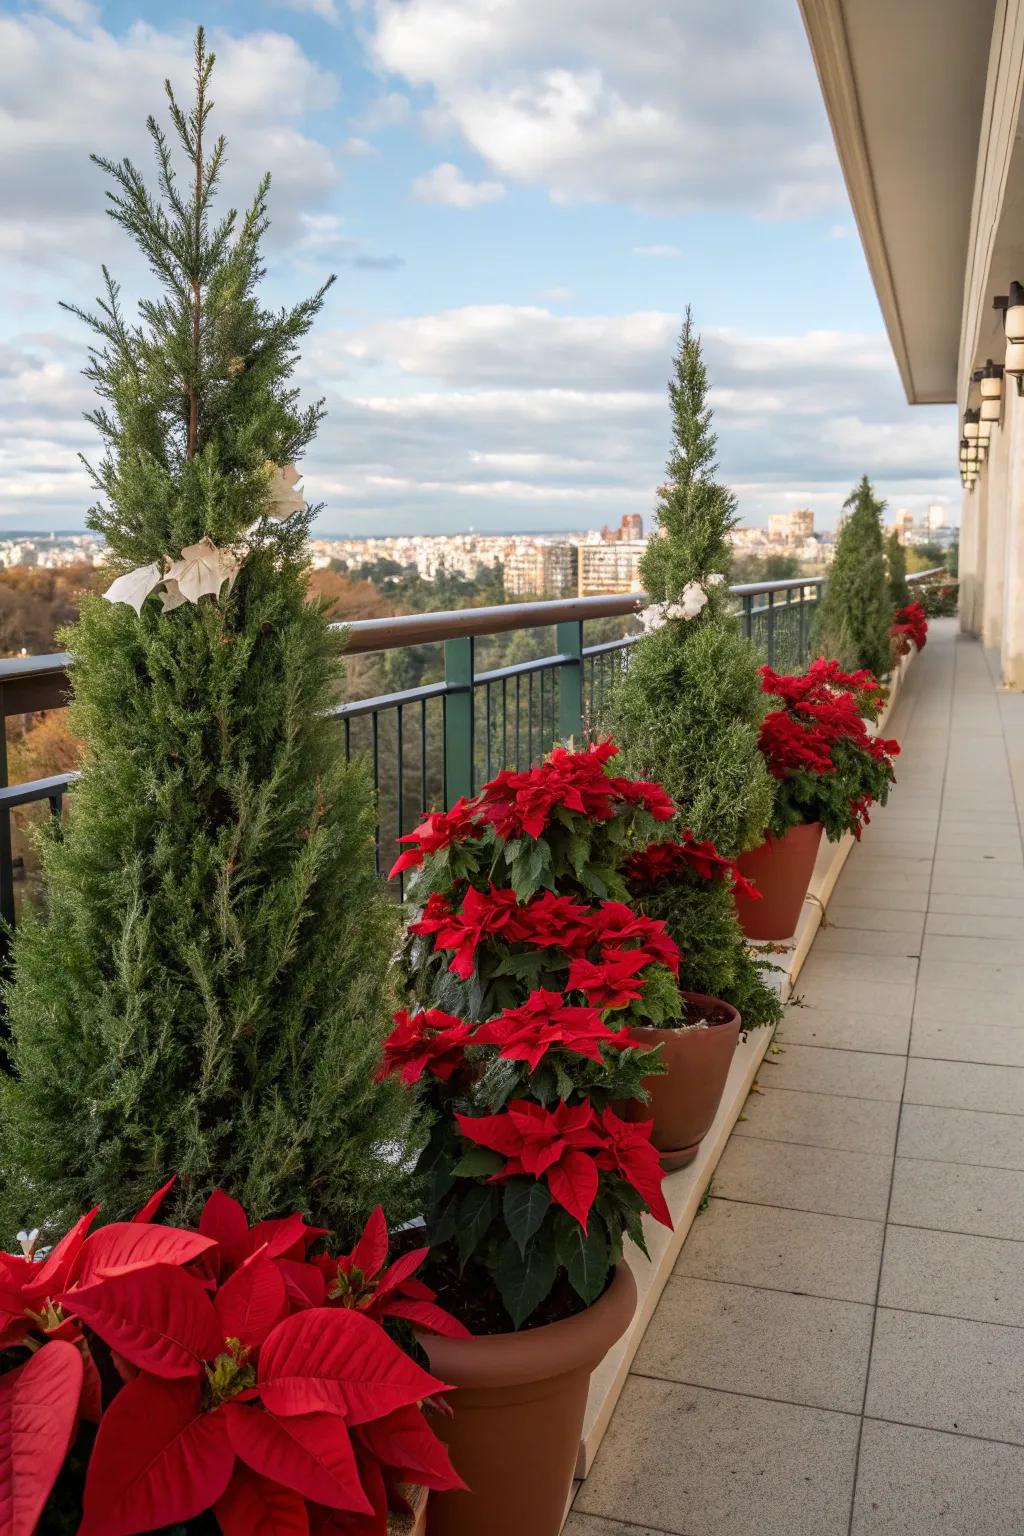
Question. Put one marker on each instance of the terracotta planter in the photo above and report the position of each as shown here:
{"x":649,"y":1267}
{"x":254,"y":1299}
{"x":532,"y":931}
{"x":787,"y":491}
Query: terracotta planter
{"x":684,"y":1100}
{"x":518,"y":1414}
{"x":781,"y":868}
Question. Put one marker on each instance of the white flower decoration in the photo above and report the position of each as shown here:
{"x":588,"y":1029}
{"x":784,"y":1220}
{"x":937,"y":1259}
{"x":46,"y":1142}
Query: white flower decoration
{"x":285,"y":495}
{"x":201,"y":572}
{"x":694,"y":598}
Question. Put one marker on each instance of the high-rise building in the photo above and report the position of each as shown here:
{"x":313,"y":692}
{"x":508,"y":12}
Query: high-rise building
{"x":632,"y":527}
{"x":608,"y":567}
{"x":536,"y":569}
{"x":791,"y":527}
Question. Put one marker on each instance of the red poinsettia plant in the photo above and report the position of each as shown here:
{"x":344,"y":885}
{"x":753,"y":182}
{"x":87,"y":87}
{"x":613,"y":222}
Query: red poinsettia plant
{"x":910,"y":627}
{"x":826,"y":764}
{"x":528,"y":965}
{"x":223,"y":1370}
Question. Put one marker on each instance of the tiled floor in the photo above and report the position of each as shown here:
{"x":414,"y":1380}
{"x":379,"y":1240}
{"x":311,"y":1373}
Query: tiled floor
{"x":840,"y":1351}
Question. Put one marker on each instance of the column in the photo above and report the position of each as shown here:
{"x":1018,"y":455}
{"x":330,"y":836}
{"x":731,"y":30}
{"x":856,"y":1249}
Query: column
{"x":997,"y":486}
{"x":1012,"y":648}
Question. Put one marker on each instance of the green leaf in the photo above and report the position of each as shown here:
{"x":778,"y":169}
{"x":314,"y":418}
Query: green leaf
{"x":478,"y":1163}
{"x":525,"y":1205}
{"x":585,"y":1256}
{"x":477,"y":1210}
{"x":523,"y":1281}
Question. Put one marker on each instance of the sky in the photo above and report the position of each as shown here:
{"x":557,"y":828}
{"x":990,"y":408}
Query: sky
{"x":519,"y":198}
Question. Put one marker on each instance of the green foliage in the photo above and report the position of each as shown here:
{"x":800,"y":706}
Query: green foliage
{"x":688,"y":711}
{"x":896,"y":559}
{"x":205,"y":993}
{"x":856,"y":610}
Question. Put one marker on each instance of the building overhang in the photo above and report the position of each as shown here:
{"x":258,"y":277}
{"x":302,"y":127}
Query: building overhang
{"x":908,"y":93}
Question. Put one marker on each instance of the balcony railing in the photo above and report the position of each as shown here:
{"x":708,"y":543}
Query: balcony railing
{"x":428,"y":745}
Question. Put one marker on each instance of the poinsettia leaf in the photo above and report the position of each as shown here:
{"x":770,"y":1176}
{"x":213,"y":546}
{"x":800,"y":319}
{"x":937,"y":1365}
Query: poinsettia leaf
{"x":341,"y":1361}
{"x":585,"y":1258}
{"x":427,"y":1315}
{"x":304,"y":1285}
{"x":404,"y":1441}
{"x":224,"y":1222}
{"x":573,"y":1182}
{"x":281,"y":1234}
{"x":159,"y":1318}
{"x":155,"y":1201}
{"x":125,"y":1245}
{"x":38,"y":1416}
{"x":478,"y":1163}
{"x":251,"y":1301}
{"x":477,"y":1210}
{"x":310,"y":1453}
{"x":158,"y":1458}
{"x":255,"y":1506}
{"x":397,"y":1273}
{"x":50,"y":1275}
{"x":525,"y":1204}
{"x":524,"y":1280}
{"x":371,"y":1251}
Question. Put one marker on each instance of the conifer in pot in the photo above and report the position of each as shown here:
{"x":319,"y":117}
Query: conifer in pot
{"x":205,"y":990}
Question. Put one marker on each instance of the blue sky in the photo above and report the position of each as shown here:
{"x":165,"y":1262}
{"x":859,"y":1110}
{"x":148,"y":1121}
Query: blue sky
{"x":519,"y":198}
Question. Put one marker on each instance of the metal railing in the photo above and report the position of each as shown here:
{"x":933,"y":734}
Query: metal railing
{"x":430,"y":744}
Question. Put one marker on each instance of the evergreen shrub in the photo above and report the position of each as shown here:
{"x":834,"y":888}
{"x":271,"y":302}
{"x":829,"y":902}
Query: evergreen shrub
{"x":852,"y":625}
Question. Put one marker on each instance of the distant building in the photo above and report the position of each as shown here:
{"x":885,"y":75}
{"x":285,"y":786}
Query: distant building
{"x":610,"y":567}
{"x":791,"y":527}
{"x":631,"y":528}
{"x":535,"y":569}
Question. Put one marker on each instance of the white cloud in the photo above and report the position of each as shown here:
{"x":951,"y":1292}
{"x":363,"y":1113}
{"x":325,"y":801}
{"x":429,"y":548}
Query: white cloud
{"x":390,"y":110}
{"x":446,"y":185}
{"x":692,"y":106}
{"x":67,"y":93}
{"x":658,"y":252}
{"x":359,"y":149}
{"x":77,"y":13}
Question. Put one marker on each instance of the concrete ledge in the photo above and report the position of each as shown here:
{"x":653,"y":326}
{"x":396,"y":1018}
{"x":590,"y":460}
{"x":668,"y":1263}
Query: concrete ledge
{"x":685,"y":1189}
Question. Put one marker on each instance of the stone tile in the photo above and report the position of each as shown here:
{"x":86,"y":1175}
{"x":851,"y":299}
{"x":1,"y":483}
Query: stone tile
{"x":959,"y":1085}
{"x":883,"y":842}
{"x":952,"y":1197}
{"x":696,"y":1463}
{"x":975,"y":1277}
{"x":832,"y":966}
{"x":975,"y":925}
{"x":849,"y":995}
{"x":594,"y":1525}
{"x":961,"y":1136}
{"x":799,"y":1251}
{"x":976,"y":885}
{"x":989,"y":982}
{"x":845,"y":1031}
{"x":987,"y":950}
{"x":997,"y":1044}
{"x":919,"y":1482}
{"x":820,"y":1119}
{"x":855,"y":1074}
{"x":738,"y":1338}
{"x":943,"y":1373}
{"x":1004,"y":875}
{"x":987,"y":903}
{"x":874,"y":919}
{"x":862,"y":890}
{"x":864,"y":941}
{"x":804,"y":1178}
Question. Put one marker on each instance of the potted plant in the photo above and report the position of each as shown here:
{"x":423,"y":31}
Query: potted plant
{"x":828,"y":770}
{"x":696,"y":1048}
{"x":155,"y":1374}
{"x":910,"y":627}
{"x":529,"y":968}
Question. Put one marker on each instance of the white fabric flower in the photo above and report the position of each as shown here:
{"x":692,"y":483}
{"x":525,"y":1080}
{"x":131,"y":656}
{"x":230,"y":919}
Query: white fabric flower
{"x":134,"y":587}
{"x":714,"y":580}
{"x":651,"y":618}
{"x":694,"y":598}
{"x":201,"y":571}
{"x":285,"y":495}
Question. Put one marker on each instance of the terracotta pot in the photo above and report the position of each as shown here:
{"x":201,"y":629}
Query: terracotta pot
{"x":684,"y":1100}
{"x":518,"y":1413}
{"x":781,"y":868}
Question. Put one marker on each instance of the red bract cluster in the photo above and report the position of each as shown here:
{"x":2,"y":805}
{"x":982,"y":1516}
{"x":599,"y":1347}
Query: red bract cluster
{"x":661,"y":863}
{"x":366,"y":1282}
{"x":523,"y":804}
{"x":568,"y":1146}
{"x":428,"y":1041}
{"x":545,"y":1023}
{"x":910,"y":624}
{"x":438,"y":830}
{"x":829,"y":767}
{"x":240,"y":1391}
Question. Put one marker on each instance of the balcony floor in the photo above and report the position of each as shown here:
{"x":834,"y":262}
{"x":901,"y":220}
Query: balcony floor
{"x":840,"y":1351}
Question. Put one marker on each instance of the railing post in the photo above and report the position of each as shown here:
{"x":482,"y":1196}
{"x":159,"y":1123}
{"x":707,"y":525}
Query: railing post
{"x":569,"y":642}
{"x":6,"y":849}
{"x":803,"y":626}
{"x":458,"y":719}
{"x":770,"y":624}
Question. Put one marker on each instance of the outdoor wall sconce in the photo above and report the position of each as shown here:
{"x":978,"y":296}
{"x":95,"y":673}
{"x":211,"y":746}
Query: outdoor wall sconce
{"x":971,"y":426}
{"x":1012,"y":306}
{"x":990,"y":384}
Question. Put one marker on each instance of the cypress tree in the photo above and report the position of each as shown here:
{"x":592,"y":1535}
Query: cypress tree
{"x":856,"y":609}
{"x":205,"y":992}
{"x":688,"y":711}
{"x":896,"y":560}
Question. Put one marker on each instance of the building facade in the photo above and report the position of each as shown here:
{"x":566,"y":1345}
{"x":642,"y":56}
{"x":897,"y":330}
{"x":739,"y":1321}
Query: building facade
{"x":937,"y":189}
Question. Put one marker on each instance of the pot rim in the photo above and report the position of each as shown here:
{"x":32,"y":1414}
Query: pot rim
{"x":675,"y":1030}
{"x":492,"y":1360}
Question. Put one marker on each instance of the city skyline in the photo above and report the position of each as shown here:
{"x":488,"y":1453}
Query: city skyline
{"x":517,"y":224}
